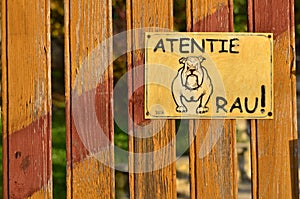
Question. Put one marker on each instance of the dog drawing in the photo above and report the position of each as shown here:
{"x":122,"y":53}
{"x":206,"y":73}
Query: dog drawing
{"x":192,"y":84}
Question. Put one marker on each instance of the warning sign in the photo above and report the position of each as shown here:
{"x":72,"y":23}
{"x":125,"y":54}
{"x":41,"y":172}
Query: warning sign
{"x":208,"y":75}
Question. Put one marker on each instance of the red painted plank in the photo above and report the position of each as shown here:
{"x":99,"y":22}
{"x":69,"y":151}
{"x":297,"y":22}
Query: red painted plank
{"x":88,"y":54}
{"x":274,"y":142}
{"x":152,"y":170}
{"x":29,"y":166}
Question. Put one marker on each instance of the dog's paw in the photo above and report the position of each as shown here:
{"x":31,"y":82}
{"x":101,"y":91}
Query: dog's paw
{"x":181,"y":109}
{"x":201,"y":110}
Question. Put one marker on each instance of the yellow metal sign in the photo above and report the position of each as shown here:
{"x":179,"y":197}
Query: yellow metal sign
{"x":208,"y":75}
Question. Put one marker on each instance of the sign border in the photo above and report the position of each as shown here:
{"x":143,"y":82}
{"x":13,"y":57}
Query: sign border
{"x":269,"y":115}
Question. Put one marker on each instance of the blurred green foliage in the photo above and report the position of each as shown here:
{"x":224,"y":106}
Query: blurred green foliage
{"x":179,"y":13}
{"x":57,"y":18}
{"x":59,"y":152}
{"x":240,"y":15}
{"x":297,"y":19}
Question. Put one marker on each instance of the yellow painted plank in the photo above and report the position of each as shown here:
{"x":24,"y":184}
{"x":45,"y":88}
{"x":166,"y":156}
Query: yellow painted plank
{"x":26,"y":83}
{"x":152,"y":160}
{"x":92,"y":179}
{"x":28,"y":67}
{"x":45,"y":192}
{"x":88,"y":55}
{"x":213,"y":161}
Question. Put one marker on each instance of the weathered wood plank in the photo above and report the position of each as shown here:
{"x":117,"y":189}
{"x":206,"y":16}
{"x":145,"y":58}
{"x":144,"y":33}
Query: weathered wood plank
{"x":152,"y":175}
{"x":26,"y":84}
{"x":274,"y":142}
{"x":213,"y":166}
{"x":88,"y":54}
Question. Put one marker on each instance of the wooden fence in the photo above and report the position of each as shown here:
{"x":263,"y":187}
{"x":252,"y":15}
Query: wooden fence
{"x":26,"y":91}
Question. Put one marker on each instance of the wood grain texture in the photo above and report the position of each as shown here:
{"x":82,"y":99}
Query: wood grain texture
{"x":151,"y":176}
{"x":26,"y":84}
{"x":213,"y":161}
{"x":274,"y":142}
{"x":89,"y":109}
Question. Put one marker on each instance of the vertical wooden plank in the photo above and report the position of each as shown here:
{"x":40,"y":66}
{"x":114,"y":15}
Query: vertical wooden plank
{"x":274,"y":143}
{"x":26,"y":84}
{"x":253,"y":135}
{"x":4,"y":93}
{"x":68,"y":95}
{"x":213,"y":161}
{"x":150,"y":175}
{"x":89,"y":108}
{"x":254,"y":166}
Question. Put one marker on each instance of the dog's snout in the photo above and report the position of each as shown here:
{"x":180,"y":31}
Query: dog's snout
{"x":192,"y":70}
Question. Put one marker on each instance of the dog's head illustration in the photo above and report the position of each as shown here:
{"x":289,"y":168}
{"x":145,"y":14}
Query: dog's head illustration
{"x":192,"y":73}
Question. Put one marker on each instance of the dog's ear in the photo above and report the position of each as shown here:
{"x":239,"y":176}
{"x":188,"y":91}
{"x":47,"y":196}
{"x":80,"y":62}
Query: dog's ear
{"x":182,"y":60}
{"x":201,"y":59}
